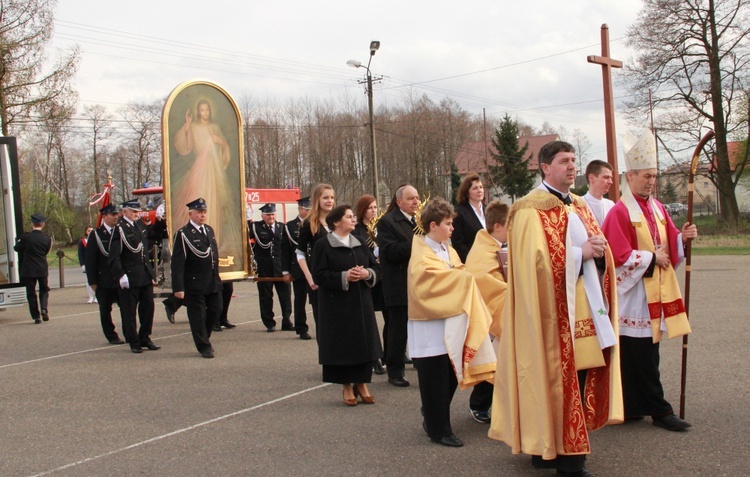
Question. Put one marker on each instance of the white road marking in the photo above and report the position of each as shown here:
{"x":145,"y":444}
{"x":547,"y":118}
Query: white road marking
{"x":184,"y":429}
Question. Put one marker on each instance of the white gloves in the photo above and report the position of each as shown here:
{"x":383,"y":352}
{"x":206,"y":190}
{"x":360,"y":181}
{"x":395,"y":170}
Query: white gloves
{"x":83,"y":268}
{"x":124,"y":284}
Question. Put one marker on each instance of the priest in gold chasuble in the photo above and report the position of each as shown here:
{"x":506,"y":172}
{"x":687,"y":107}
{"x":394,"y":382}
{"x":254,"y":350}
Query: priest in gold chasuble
{"x":558,"y":374}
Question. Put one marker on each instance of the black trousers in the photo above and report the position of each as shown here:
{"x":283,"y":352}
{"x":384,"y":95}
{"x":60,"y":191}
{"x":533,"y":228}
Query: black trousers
{"x":140,"y":301}
{"x":227,"y":289}
{"x":173,"y":303}
{"x":265,"y":297}
{"x":106,"y":298}
{"x":203,"y":312}
{"x":300,"y":301}
{"x":437,"y":384}
{"x":395,"y":340}
{"x":30,"y":284}
{"x":642,"y":391}
{"x":481,"y":396}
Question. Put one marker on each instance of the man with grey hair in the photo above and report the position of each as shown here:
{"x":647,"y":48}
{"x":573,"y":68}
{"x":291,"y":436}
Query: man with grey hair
{"x":395,"y":232}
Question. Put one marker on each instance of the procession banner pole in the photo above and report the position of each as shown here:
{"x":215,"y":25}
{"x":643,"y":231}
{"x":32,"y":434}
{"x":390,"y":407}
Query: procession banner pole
{"x":688,"y":256}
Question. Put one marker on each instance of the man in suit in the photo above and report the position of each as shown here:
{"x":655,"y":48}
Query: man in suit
{"x":130,"y":264}
{"x":395,"y":233}
{"x":195,"y":275}
{"x":292,"y":272}
{"x":32,"y":248}
{"x":268,"y":239}
{"x":98,"y":272}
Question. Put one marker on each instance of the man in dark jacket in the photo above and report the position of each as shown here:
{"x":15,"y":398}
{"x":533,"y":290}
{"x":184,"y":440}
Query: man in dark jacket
{"x":130,"y":264}
{"x":268,"y":239}
{"x":395,"y":233}
{"x":32,"y":248}
{"x":195,"y":275}
{"x":292,"y":270}
{"x":98,"y":272}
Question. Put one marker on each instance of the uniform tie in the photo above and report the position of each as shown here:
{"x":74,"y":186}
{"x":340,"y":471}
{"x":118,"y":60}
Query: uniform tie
{"x":413,"y":221}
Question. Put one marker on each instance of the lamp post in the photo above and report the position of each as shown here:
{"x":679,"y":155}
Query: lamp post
{"x":374,"y":46}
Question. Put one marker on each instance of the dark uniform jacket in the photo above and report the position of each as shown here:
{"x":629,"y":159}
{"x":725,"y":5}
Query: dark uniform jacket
{"x":465,"y":228}
{"x":128,"y":253}
{"x":32,"y":248}
{"x":289,"y":248}
{"x":267,"y":248}
{"x":394,"y":238}
{"x":195,"y":261}
{"x":96,"y":257}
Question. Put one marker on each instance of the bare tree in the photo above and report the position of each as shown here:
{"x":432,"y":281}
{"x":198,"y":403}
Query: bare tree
{"x":694,"y":55}
{"x":143,"y":142}
{"x":26,"y":27}
{"x":100,"y":131}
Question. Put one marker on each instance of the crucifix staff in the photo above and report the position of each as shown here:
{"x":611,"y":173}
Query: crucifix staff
{"x":609,"y":107}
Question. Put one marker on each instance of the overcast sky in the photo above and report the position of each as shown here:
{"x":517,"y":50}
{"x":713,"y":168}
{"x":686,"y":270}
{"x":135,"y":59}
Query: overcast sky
{"x":524,"y":58}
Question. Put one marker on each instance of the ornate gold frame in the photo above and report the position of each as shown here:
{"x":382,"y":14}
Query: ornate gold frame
{"x":226,"y":115}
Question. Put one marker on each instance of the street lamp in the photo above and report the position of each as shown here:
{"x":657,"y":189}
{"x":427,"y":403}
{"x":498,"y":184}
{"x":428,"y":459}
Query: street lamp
{"x":374,"y":46}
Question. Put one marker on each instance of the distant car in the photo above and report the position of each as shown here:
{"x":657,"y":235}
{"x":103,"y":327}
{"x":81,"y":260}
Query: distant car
{"x":675,"y":208}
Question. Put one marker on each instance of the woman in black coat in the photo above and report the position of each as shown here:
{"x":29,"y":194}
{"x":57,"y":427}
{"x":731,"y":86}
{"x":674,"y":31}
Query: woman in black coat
{"x":366,"y":212}
{"x":345,"y":270}
{"x":469,"y":214}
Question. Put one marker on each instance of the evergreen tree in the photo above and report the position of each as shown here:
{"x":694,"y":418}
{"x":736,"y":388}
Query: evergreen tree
{"x":511,"y":173}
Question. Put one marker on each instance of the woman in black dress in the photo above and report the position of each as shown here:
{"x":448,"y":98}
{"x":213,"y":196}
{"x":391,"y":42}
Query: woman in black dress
{"x":348,"y":343}
{"x":366,"y":212}
{"x":313,"y":229}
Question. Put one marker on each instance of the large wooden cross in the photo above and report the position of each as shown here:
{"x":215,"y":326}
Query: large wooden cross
{"x":609,"y":108}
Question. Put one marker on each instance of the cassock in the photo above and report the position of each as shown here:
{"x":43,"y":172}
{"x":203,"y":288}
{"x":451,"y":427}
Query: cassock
{"x":551,"y":330}
{"x":650,"y":302}
{"x":649,"y":298}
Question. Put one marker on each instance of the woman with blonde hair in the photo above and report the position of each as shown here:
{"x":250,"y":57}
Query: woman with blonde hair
{"x":313,"y":229}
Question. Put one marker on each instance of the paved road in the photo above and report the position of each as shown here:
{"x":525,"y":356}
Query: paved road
{"x":71,"y":405}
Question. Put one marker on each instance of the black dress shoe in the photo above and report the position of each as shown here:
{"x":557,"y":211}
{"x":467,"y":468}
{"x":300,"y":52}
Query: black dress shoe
{"x":45,"y":315}
{"x":399,"y":382}
{"x":37,"y":321}
{"x":229,"y":325}
{"x":578,"y":473}
{"x":270,"y":329}
{"x":116,"y":341}
{"x":150,"y":345}
{"x":216,"y":327}
{"x":287,"y":328}
{"x":207,"y":353}
{"x":671,"y":422}
{"x":136,"y":349}
{"x":305,"y":336}
{"x":448,"y":441}
{"x":170,"y":313}
{"x":377,"y":367}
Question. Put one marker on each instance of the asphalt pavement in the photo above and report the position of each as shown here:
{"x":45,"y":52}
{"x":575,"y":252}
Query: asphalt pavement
{"x":73,"y":405}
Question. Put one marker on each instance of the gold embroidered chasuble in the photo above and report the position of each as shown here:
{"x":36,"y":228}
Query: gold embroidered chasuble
{"x":537,"y":405}
{"x":439,"y":290}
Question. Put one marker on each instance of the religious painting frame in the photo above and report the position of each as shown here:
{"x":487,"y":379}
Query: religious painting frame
{"x":203,"y":156}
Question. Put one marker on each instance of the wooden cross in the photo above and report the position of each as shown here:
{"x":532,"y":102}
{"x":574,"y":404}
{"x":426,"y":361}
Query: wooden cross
{"x":609,"y":108}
